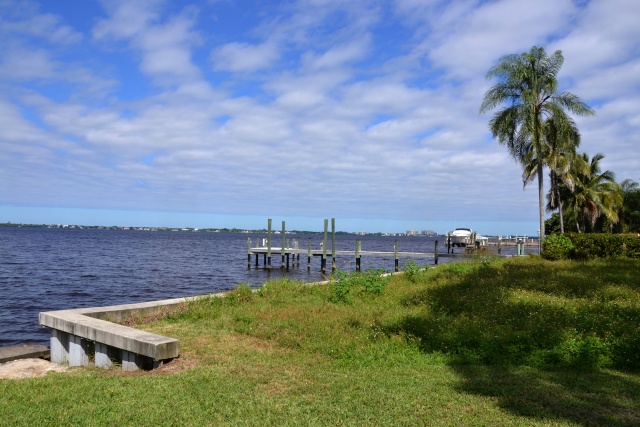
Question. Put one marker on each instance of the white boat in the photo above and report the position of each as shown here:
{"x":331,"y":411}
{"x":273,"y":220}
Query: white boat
{"x":461,"y":237}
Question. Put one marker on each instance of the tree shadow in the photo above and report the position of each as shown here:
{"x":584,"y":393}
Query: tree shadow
{"x":603,"y":398}
{"x":537,"y":339}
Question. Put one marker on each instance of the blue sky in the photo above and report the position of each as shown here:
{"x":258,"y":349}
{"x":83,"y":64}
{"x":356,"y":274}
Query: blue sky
{"x":224,"y":113}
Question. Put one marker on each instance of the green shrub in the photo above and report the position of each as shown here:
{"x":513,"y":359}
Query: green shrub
{"x":413,"y":272}
{"x":346,"y":285}
{"x":242,"y":294}
{"x":557,"y":246}
{"x":600,"y":245}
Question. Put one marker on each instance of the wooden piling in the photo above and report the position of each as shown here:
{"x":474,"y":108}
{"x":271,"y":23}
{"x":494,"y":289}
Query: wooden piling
{"x":396,"y":255}
{"x":282,"y":245}
{"x":499,"y":249}
{"x":323,"y":267}
{"x":333,"y":244}
{"x":448,"y":243}
{"x":249,"y":253}
{"x":436,"y":254}
{"x":358,"y":246}
{"x":269,"y":245}
{"x":309,"y":256}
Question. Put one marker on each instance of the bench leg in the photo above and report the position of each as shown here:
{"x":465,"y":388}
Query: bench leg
{"x":129,"y":362}
{"x":77,"y":351}
{"x":59,"y":346}
{"x":102,"y":358}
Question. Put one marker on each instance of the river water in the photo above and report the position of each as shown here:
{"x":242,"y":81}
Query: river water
{"x":45,"y":269}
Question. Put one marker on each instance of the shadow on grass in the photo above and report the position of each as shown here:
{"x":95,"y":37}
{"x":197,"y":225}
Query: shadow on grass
{"x":540,"y":338}
{"x":603,"y":398}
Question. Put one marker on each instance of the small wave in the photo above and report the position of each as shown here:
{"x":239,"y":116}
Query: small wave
{"x":89,"y":276}
{"x":79,"y":294}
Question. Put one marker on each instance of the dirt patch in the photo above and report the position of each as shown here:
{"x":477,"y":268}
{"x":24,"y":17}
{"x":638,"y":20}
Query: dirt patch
{"x":28,"y":368}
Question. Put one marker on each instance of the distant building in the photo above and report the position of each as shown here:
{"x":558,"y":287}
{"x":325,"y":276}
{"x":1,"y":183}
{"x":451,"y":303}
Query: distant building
{"x":412,"y":233}
{"x":428,"y":233}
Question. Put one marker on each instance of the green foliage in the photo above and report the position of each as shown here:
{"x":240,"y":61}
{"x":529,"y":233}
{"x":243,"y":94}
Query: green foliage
{"x":413,"y":272}
{"x":557,"y":246}
{"x":346,"y":286}
{"x":283,"y":289}
{"x":583,"y":316}
{"x":603,"y":245}
{"x":242,"y":294}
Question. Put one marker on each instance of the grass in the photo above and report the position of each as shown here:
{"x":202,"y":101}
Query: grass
{"x":522,"y":342}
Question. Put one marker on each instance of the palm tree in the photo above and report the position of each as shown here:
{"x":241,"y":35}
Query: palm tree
{"x":561,"y":138}
{"x":527,"y":83}
{"x":630,"y":210}
{"x":596,"y":193}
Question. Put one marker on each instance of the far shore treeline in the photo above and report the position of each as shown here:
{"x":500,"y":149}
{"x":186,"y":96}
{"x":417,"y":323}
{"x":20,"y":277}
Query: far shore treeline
{"x":197,"y":230}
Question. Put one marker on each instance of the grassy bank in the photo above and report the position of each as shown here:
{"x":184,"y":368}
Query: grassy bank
{"x":523,"y":342}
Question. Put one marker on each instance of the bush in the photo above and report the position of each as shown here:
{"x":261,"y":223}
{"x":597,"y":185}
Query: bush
{"x":413,"y":272}
{"x":557,"y":246}
{"x":344,"y":286}
{"x":600,"y":245}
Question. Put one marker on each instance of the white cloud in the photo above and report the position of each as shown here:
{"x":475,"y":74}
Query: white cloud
{"x":244,"y":57}
{"x":166,"y":47}
{"x":469,"y":40}
{"x":127,"y":19}
{"x":15,"y":65}
{"x":25,"y":19}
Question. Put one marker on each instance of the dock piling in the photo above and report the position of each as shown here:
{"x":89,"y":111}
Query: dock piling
{"x":282,"y":245}
{"x":323,"y":267}
{"x":249,"y":253}
{"x":435,"y":258}
{"x":333,"y":244}
{"x":396,"y":255}
{"x":269,"y":246}
{"x":358,"y":247}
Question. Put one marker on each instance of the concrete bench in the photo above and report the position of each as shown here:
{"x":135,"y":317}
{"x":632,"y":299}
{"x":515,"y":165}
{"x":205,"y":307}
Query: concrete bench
{"x":76,"y":334}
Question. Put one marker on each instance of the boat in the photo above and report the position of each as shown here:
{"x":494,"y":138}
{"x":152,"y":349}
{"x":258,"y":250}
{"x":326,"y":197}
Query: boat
{"x":460,"y":237}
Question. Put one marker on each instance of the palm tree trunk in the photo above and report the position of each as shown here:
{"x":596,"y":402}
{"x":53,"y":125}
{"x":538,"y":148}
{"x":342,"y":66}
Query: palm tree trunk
{"x":561,"y":216}
{"x":540,"y":202}
{"x":556,"y":191}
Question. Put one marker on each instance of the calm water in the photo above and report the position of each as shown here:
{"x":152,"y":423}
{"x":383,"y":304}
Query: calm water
{"x":54,"y":269}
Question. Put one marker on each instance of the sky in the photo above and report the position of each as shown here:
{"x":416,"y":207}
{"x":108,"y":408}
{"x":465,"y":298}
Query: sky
{"x":224,"y":113}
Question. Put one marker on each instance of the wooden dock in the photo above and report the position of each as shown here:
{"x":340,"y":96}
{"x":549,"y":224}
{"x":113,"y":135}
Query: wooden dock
{"x":292,"y":256}
{"x":288,"y":251}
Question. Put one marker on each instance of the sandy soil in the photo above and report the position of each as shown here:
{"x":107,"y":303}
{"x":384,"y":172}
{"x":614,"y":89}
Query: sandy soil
{"x":28,"y":368}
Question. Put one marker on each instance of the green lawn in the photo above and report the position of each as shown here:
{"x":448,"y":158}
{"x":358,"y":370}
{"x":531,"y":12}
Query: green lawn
{"x":522,"y":342}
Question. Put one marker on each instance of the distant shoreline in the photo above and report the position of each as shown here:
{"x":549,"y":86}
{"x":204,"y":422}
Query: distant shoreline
{"x":493,"y":239}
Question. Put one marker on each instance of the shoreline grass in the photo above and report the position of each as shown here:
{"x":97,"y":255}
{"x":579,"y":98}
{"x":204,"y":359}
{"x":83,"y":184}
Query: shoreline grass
{"x":518,"y":342}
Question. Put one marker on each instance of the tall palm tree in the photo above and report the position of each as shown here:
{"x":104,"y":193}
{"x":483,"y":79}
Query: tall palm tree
{"x":561,"y":138}
{"x":596,"y":193}
{"x":527,"y":83}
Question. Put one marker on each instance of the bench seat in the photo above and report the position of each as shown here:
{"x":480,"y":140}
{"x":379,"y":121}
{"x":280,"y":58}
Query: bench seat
{"x":76,"y":334}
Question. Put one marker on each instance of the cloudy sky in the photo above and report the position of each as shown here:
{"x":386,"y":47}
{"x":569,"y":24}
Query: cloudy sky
{"x":223,"y":113}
